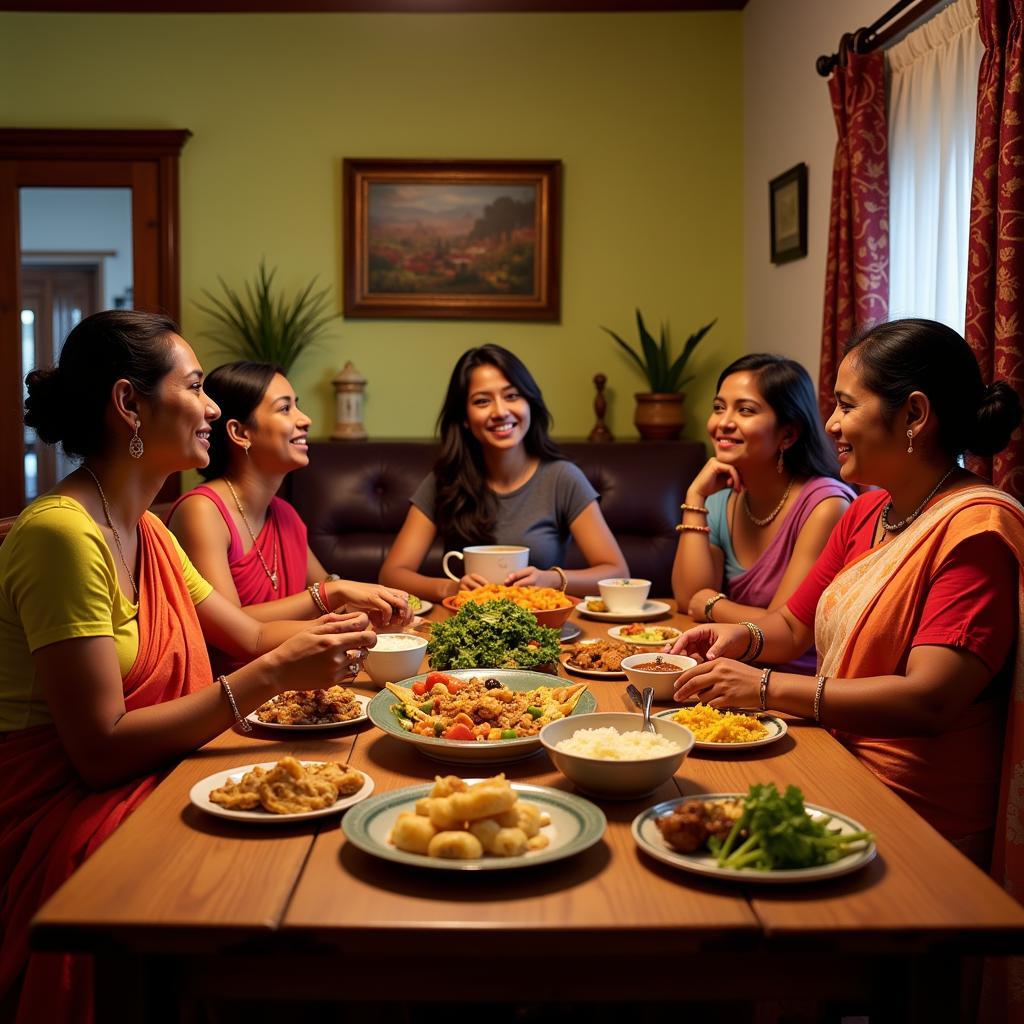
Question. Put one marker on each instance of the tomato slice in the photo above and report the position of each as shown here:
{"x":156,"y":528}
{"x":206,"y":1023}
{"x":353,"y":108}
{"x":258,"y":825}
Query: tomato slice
{"x":454,"y":685}
{"x":434,"y":678}
{"x":419,"y":688}
{"x":458,"y":732}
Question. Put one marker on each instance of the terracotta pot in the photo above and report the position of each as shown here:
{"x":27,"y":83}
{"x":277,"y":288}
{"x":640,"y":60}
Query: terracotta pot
{"x":659,"y":416}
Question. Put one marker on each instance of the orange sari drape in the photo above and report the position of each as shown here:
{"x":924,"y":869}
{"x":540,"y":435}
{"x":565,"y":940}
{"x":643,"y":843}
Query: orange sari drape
{"x":50,"y":821}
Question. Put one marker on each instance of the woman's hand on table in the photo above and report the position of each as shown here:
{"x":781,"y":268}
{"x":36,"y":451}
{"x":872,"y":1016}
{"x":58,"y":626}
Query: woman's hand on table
{"x":328,"y":653}
{"x":722,"y":683}
{"x":531,"y":576}
{"x":471,"y":581}
{"x":695,"y":607}
{"x":385,"y":606}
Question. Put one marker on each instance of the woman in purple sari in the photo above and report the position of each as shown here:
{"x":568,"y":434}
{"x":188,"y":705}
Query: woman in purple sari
{"x":758,"y":514}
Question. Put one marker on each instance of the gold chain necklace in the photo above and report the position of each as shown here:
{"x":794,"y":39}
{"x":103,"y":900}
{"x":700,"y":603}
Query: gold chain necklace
{"x":113,"y":530}
{"x":774,"y":512}
{"x":903,"y":523}
{"x":271,"y":574}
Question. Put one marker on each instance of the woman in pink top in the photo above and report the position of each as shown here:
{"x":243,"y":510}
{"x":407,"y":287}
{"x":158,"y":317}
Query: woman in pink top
{"x":250,"y":544}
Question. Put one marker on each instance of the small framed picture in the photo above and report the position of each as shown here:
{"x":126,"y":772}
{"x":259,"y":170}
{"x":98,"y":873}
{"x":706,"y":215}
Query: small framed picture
{"x":470,"y":239}
{"x":788,"y":202}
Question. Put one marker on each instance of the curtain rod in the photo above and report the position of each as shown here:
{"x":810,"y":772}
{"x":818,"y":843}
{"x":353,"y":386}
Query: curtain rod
{"x":878,"y":33}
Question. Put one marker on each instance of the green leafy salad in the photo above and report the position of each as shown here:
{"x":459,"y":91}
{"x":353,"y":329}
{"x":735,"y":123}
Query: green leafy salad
{"x":781,"y":834}
{"x":496,"y":634}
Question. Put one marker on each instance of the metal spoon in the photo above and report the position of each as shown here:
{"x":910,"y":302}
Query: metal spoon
{"x":634,"y":695}
{"x":648,"y":699}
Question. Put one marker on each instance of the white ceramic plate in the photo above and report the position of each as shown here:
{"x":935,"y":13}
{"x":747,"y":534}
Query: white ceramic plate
{"x":424,"y":607}
{"x":576,"y":824}
{"x":199,"y":795}
{"x":616,"y":634}
{"x":650,"y":610}
{"x":361,"y":717}
{"x":776,"y":727}
{"x":649,"y":839}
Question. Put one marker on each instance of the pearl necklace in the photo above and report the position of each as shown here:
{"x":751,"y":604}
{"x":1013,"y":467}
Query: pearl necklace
{"x":113,"y":530}
{"x":774,"y":512}
{"x":271,"y":575}
{"x":903,"y":523}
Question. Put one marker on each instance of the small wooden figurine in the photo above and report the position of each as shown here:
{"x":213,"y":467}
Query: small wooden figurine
{"x":600,"y":431}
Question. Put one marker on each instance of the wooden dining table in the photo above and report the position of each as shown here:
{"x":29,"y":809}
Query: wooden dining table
{"x":295,"y":912}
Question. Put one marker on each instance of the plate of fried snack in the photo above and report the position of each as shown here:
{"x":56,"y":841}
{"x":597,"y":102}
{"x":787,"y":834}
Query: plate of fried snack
{"x":598,"y":659}
{"x":643,"y":635}
{"x":717,"y":728}
{"x":281,"y":791}
{"x":490,"y":824}
{"x":311,"y":709}
{"x":761,"y":836}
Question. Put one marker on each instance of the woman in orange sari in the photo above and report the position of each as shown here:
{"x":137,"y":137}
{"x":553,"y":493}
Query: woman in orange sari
{"x":915,"y":603}
{"x":104,"y":676}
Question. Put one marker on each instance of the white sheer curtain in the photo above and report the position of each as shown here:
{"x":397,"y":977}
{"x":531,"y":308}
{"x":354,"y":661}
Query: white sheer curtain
{"x":933,"y":97}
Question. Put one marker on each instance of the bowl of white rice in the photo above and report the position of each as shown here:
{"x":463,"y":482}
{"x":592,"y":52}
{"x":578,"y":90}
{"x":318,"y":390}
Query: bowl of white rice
{"x":608,"y":755}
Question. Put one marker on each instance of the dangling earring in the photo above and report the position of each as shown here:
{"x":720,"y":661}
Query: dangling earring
{"x":135,"y":446}
{"x":246,"y":447}
{"x":910,"y":442}
{"x":780,"y":466}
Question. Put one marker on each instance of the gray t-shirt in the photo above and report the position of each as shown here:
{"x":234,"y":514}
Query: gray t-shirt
{"x":537,"y":515}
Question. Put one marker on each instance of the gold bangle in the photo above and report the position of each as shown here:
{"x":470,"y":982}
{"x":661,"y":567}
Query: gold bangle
{"x":692,"y":526}
{"x":314,"y":592}
{"x":562,"y":576}
{"x":819,"y":690}
{"x":766,"y":675}
{"x":710,"y":603}
{"x":226,"y":687}
{"x":750,"y":640}
{"x":695,"y":508}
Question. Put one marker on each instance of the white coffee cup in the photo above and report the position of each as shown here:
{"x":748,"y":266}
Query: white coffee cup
{"x":491,"y":561}
{"x":625,"y":596}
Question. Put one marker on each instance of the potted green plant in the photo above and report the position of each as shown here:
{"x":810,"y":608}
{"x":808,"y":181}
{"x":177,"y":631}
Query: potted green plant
{"x":659,"y":412}
{"x":265,"y":327}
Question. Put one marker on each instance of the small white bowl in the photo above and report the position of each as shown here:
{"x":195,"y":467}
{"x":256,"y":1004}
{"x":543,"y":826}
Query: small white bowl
{"x":620,"y":780}
{"x":624,"y":596}
{"x":663,"y":683}
{"x":388,"y":666}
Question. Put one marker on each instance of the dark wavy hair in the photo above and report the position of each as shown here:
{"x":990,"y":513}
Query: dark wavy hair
{"x":902,"y":356}
{"x":786,"y":386}
{"x":238,"y":388}
{"x":465,"y":507}
{"x":67,"y":403}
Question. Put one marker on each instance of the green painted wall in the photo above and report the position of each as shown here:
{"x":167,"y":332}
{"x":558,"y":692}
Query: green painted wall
{"x":644,"y":111}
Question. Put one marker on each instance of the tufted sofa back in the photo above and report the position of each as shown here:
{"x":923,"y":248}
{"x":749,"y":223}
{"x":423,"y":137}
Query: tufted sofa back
{"x":354,"y":498}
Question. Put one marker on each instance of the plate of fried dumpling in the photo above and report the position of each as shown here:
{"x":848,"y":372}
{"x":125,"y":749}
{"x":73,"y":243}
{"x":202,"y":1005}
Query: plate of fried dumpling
{"x":456,"y":824}
{"x":288,"y":790}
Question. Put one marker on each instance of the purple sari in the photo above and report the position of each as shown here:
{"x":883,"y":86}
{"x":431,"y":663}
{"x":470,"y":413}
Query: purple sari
{"x":758,"y":584}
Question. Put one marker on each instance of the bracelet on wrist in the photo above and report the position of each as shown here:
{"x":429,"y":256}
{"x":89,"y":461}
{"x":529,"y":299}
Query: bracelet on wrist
{"x":226,"y":687}
{"x":710,"y":603}
{"x":766,"y":675}
{"x":314,"y":592}
{"x":695,"y":508}
{"x":818,"y":691}
{"x":561,"y":576}
{"x":692,"y":526}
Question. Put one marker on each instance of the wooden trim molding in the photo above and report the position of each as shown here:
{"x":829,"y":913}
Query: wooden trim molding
{"x":370,"y":6}
{"x":88,"y":144}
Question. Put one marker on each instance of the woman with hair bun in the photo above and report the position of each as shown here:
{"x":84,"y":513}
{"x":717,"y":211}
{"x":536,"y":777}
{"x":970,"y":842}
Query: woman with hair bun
{"x":760,"y":511}
{"x":104,"y":677}
{"x":915,"y":603}
{"x":249,"y":543}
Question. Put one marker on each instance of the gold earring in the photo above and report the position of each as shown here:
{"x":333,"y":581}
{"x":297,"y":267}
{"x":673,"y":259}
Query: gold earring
{"x":135,"y":445}
{"x":780,"y":465}
{"x":246,"y":447}
{"x":910,"y":442}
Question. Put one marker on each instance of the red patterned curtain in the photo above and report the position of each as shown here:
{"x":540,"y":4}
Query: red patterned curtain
{"x":857,"y":269}
{"x":995,"y":326}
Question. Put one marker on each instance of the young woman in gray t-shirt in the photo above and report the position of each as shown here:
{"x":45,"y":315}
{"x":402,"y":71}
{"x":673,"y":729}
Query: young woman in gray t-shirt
{"x":501,"y":480}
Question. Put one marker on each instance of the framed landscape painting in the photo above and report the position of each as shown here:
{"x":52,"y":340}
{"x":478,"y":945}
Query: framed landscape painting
{"x":465,"y":239}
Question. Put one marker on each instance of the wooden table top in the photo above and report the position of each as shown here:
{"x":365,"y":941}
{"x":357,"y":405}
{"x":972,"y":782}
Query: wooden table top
{"x":175,"y":879}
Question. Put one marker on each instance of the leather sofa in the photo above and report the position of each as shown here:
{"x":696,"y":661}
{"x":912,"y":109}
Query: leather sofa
{"x":354,"y":497}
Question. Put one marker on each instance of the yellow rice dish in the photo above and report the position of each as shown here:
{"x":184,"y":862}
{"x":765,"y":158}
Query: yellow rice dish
{"x":709,"y":725}
{"x":536,"y":599}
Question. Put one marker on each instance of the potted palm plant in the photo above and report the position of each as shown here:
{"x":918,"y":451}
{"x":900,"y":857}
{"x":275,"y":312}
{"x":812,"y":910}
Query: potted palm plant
{"x":659,"y":412}
{"x":264,"y":326}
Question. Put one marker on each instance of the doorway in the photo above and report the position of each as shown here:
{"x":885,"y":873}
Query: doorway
{"x":143,"y":162}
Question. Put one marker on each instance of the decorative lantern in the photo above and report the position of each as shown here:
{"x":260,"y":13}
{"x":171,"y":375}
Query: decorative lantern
{"x":349,"y":386}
